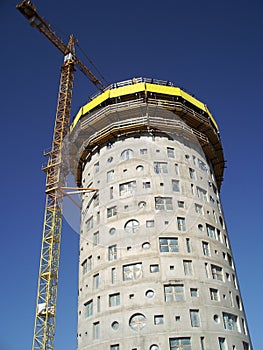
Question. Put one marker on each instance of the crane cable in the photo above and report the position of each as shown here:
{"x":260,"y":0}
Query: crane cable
{"x":62,"y":33}
{"x":92,"y":64}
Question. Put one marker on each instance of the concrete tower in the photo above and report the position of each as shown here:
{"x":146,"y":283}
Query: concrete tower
{"x":156,"y":269}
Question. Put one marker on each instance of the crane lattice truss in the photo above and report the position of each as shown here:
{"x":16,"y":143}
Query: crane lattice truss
{"x":45,"y":319}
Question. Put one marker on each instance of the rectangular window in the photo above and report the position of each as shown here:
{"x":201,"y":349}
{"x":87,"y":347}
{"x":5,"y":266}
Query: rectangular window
{"x":231,"y":299}
{"x":96,"y":238}
{"x":180,"y":343}
{"x":170,"y":152}
{"x":245,"y":346}
{"x":98,"y":217}
{"x":160,"y":167}
{"x":214,"y":295}
{"x":143,"y":151}
{"x":181,"y":224}
{"x":180,"y":204}
{"x":188,"y":245}
{"x":199,"y":209}
{"x":176,"y":169}
{"x":202,"y":165}
{"x":163,"y":203}
{"x":96,"y":281}
{"x":132,"y":272}
{"x":89,"y":263}
{"x":175,"y":185}
{"x":154,"y":268}
{"x":205,"y":247}
{"x":211,"y":231}
{"x":215,"y":218}
{"x":112,"y":211}
{"x":84,"y":267}
{"x":228,"y":277}
{"x":222,"y":343}
{"x":219,"y":206}
{"x":226,"y":241}
{"x":113,"y":275}
{"x":194,"y":292}
{"x":114,"y":299}
{"x":174,"y":293}
{"x":89,"y":308}
{"x":127,"y":188}
{"x":97,"y":167}
{"x":214,"y":189}
{"x":89,"y":223}
{"x":219,"y":238}
{"x":110,"y":175}
{"x":230,"y":260}
{"x":168,"y":245}
{"x":112,"y":252}
{"x":149,"y":223}
{"x":158,"y":319}
{"x":115,"y":347}
{"x":195,"y":318}
{"x":96,"y":200}
{"x":230,"y":322}
{"x":202,"y":341}
{"x":146,"y":184}
{"x":206,"y":270}
{"x":96,"y":330}
{"x":111,"y":192}
{"x":234,"y":280}
{"x":98,"y":304}
{"x":192,"y":174}
{"x":188,"y":267}
{"x":217,"y":272}
{"x":201,"y":193}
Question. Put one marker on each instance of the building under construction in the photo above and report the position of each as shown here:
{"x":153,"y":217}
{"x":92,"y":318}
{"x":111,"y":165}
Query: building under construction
{"x":156,"y":269}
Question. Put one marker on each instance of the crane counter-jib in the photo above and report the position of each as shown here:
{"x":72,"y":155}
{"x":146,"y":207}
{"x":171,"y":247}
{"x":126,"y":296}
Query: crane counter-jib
{"x":145,"y":89}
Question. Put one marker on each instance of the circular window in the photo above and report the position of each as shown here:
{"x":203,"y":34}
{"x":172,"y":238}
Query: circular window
{"x":201,"y":227}
{"x":127,"y":154}
{"x":115,"y":325}
{"x":216,"y":318}
{"x":112,"y":231}
{"x":131,"y":226}
{"x":110,"y":159}
{"x":154,"y":347}
{"x":142,"y":204}
{"x":146,"y":245}
{"x":139,"y":168}
{"x":137,"y":322}
{"x":149,"y":293}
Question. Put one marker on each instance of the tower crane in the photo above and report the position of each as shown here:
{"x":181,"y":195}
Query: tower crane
{"x":45,"y":316}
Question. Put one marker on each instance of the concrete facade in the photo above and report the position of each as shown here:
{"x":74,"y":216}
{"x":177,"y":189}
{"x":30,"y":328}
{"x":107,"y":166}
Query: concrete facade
{"x":156,"y":267}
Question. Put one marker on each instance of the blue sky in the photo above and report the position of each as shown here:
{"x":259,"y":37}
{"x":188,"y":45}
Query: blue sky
{"x":212,"y":49}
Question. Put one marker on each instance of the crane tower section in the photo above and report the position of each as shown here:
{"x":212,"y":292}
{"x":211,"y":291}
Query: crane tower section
{"x":45,"y":317}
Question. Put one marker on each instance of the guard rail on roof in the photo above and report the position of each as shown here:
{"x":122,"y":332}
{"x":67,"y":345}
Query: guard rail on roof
{"x":134,"y":81}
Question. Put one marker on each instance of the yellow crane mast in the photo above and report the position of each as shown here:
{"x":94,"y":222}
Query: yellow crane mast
{"x":45,"y":317}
